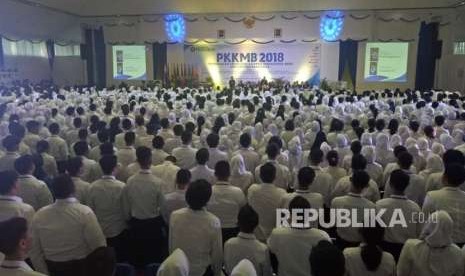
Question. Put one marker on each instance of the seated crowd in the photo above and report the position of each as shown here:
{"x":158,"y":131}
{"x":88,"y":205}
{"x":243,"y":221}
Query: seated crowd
{"x":192,"y":179}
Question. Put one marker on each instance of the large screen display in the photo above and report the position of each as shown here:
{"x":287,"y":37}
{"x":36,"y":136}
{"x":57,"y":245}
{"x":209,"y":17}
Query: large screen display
{"x":386,"y":62}
{"x":129,"y":62}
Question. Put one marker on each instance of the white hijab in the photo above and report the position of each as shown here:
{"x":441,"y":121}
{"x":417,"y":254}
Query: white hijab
{"x":369,"y":154}
{"x":295,"y":153}
{"x":438,"y":149}
{"x":447,"y":141}
{"x":366,"y":139}
{"x":176,"y":264}
{"x":238,"y":165}
{"x":434,"y":164}
{"x":258,"y":133}
{"x":382,"y":142}
{"x":244,"y":268}
{"x":395,"y":141}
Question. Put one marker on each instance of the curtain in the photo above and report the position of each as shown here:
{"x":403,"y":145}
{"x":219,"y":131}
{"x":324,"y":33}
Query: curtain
{"x":50,"y":52}
{"x":89,"y":56}
{"x":159,"y":61}
{"x":2,"y":61}
{"x":100,"y":60}
{"x":427,"y":54}
{"x":348,"y":52}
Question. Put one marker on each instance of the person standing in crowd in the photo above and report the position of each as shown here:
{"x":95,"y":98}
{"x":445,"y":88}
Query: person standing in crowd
{"x":176,"y":200}
{"x":10,"y":204}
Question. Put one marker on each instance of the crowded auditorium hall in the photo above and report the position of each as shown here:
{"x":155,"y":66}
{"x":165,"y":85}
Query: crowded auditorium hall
{"x":232,"y":138}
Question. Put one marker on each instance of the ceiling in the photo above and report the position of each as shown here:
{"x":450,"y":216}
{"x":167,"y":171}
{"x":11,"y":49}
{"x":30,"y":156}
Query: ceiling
{"x":140,"y":7}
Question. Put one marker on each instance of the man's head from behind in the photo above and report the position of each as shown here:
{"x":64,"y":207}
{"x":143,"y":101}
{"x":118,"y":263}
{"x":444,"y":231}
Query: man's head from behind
{"x":327,"y":260}
{"x":15,"y":241}
{"x":305,"y":177}
{"x":8,"y":183}
{"x":454,"y":175}
{"x":399,"y":181}
{"x":247,"y":219}
{"x":63,"y":186}
{"x":198,"y":194}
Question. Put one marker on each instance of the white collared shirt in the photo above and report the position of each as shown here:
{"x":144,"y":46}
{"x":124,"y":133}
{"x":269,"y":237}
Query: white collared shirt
{"x":216,"y":155}
{"x":64,"y":231}
{"x":91,"y":170}
{"x":246,"y":246}
{"x":13,"y":206}
{"x":203,"y":172}
{"x":143,"y":196}
{"x":17,"y":268}
{"x":58,"y":148}
{"x":265,"y":198}
{"x":398,"y":233}
{"x":315,"y":199}
{"x":451,"y":200}
{"x":343,"y":187}
{"x":158,"y":157}
{"x":173,"y":201}
{"x":50,"y":165}
{"x":105,"y":198}
{"x":198,"y":234}
{"x":185,"y":156}
{"x":225,"y":203}
{"x":293,"y":247}
{"x":351,"y":201}
{"x":251,"y":158}
{"x":34,"y":192}
{"x":322,"y":184}
{"x":166,"y":171}
{"x":283,"y":177}
{"x":416,"y":189}
{"x":82,"y":189}
{"x":356,"y":266}
{"x":7,"y":162}
{"x":126,"y":155}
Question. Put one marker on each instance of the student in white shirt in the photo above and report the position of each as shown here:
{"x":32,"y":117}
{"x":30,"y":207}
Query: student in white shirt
{"x":201,"y":170}
{"x":434,"y":253}
{"x":91,"y":170}
{"x":283,"y":177}
{"x":396,"y":236}
{"x":197,"y":232}
{"x":323,"y":183}
{"x":66,"y":222}
{"x":74,"y":169}
{"x":246,"y":245}
{"x":292,"y":245}
{"x":176,"y":264}
{"x":326,"y":260}
{"x":176,"y":200}
{"x":251,"y":157}
{"x":50,"y":164}
{"x":119,"y":138}
{"x":32,"y":136}
{"x":240,"y":177}
{"x":185,"y":154}
{"x":244,"y":268}
{"x":11,"y":144}
{"x":105,"y":199}
{"x":15,"y":243}
{"x":333,"y":168}
{"x":226,"y":201}
{"x":451,"y":199}
{"x":350,"y":236}
{"x":216,"y":155}
{"x":158,"y":154}
{"x":127,"y":154}
{"x":167,"y":171}
{"x":10,"y":204}
{"x":58,"y":147}
{"x":142,"y":198}
{"x":416,"y":190}
{"x":30,"y":189}
{"x":434,"y":181}
{"x":165,"y":131}
{"x":265,"y":198}
{"x":175,"y":141}
{"x":369,"y":259}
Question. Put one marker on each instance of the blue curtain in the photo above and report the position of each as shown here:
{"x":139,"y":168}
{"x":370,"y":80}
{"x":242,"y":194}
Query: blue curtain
{"x":348,"y":52}
{"x":2,"y":61}
{"x":89,"y":56}
{"x":427,"y":54}
{"x":100,"y":60}
{"x":51,"y":52}
{"x":159,"y":61}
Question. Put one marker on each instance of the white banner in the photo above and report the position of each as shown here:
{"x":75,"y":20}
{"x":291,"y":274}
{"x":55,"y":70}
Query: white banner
{"x":252,"y":62}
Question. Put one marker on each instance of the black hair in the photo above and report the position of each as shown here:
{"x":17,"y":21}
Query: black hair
{"x":306,"y":176}
{"x":108,"y":163}
{"x":144,"y":156}
{"x":213,"y":140}
{"x":202,"y":156}
{"x":74,"y":165}
{"x":183,"y":177}
{"x":11,"y":143}
{"x":81,"y":148}
{"x":370,"y":252}
{"x":360,"y":180}
{"x":454,"y":174}
{"x":247,"y":219}
{"x":405,"y":160}
{"x":63,"y":186}
{"x":24,"y":164}
{"x":399,"y":180}
{"x":272,"y":150}
{"x":198,"y":194}
{"x":129,"y":138}
{"x":356,"y":147}
{"x":327,"y":260}
{"x":333,"y":158}
{"x":186,"y":137}
{"x":9,"y":179}
{"x":453,"y":156}
{"x":158,"y":142}
{"x":245,"y":140}
{"x":13,"y":230}
{"x":268,"y":172}
{"x":359,"y":162}
{"x":222,"y":170}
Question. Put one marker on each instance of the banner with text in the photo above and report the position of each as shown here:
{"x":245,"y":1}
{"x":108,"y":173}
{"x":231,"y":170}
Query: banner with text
{"x":252,"y":62}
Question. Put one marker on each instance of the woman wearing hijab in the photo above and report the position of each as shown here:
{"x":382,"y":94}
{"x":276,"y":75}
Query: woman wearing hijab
{"x":244,"y":268}
{"x":295,"y":154}
{"x":176,"y":264}
{"x":438,"y":149}
{"x":419,"y":162}
{"x":383,"y":151}
{"x":447,"y":141}
{"x":423,"y":146}
{"x":240,"y":177}
{"x":434,"y":253}
{"x":374,"y":170}
{"x":369,"y":259}
{"x":434,"y":164}
{"x":342,"y":147}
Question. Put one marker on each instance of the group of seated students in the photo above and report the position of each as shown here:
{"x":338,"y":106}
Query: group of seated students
{"x":193,"y":179}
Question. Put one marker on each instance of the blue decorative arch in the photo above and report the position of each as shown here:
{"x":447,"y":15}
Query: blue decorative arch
{"x":175,"y":27}
{"x":331,"y":25}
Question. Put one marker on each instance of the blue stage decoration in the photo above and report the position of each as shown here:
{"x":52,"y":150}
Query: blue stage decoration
{"x":331,"y":25}
{"x":175,"y":27}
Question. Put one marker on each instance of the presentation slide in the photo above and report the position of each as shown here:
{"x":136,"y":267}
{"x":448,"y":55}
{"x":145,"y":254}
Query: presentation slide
{"x":386,"y":62}
{"x":129,"y":62}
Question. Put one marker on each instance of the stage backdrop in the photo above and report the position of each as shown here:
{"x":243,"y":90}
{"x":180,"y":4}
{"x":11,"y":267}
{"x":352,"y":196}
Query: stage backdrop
{"x":252,"y":62}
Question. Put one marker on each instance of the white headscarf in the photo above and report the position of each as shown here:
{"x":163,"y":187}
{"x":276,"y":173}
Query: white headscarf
{"x":382,"y":141}
{"x":423,"y":146}
{"x":341,"y":141}
{"x":447,"y":141}
{"x":458,"y":134}
{"x":395,"y":141}
{"x":438,"y":149}
{"x":273,"y":129}
{"x":244,"y":268}
{"x":238,"y":165}
{"x":434,"y":164}
{"x":437,"y":234}
{"x":369,"y":154}
{"x":258,"y":133}
{"x":295,"y":153}
{"x":176,"y":264}
{"x":366,"y":139}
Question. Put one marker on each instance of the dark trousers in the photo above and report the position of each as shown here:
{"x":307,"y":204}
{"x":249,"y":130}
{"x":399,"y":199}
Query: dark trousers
{"x":148,"y":241}
{"x":228,"y":233}
{"x":120,"y":246}
{"x":393,"y":248}
{"x":70,"y":268}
